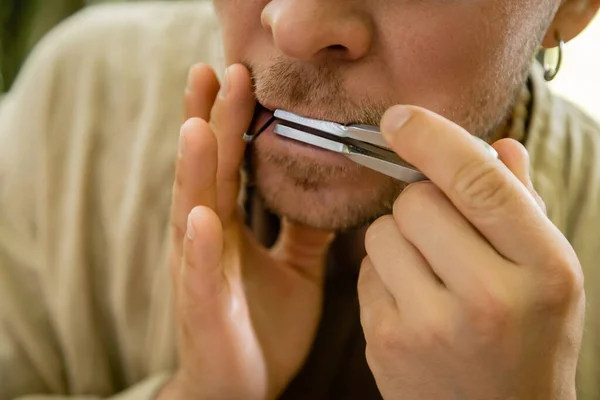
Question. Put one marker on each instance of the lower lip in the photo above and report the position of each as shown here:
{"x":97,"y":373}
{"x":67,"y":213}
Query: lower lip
{"x":273,"y":142}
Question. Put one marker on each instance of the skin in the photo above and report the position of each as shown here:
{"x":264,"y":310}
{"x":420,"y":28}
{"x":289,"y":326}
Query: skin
{"x":466,"y":290}
{"x":453,"y":62}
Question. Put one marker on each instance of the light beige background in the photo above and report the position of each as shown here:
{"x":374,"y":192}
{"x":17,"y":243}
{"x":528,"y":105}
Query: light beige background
{"x":579,"y":78}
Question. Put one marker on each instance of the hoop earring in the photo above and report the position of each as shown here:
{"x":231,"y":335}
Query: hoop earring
{"x":551,"y":72}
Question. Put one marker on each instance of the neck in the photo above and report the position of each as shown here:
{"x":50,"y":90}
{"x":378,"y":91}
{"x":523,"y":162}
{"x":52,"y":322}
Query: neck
{"x":515,"y":124}
{"x":349,"y":248}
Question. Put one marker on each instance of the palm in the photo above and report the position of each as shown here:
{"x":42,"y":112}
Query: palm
{"x":275,"y":309}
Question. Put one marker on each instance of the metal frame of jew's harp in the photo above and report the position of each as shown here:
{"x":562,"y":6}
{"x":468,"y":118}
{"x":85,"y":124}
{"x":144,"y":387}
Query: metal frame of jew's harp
{"x":253,"y":131}
{"x":363,"y":144}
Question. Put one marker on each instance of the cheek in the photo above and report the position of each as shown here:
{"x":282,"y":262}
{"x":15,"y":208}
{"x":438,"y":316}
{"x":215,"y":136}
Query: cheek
{"x":449,"y":53}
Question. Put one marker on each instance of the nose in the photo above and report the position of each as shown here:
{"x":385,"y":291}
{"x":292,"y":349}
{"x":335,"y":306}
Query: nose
{"x":309,"y":29}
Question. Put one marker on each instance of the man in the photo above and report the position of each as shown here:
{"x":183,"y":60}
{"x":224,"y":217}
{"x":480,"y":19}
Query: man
{"x":466,"y":288}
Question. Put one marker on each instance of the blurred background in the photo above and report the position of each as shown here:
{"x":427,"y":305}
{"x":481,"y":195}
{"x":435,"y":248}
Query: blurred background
{"x":24,"y":22}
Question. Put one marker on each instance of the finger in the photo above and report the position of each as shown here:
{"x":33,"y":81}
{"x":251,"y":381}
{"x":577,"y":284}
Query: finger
{"x":404,"y":272}
{"x":379,"y":317}
{"x":457,"y":253}
{"x":210,"y":309}
{"x":203,"y":288}
{"x":376,"y":303}
{"x":195,"y":176}
{"x":200,"y":92}
{"x":483,"y":189}
{"x":516,"y":158}
{"x":230,"y":117}
{"x":303,"y":248}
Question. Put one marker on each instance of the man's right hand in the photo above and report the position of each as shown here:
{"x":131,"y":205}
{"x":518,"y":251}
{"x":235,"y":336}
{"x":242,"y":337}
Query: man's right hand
{"x":246,"y":315}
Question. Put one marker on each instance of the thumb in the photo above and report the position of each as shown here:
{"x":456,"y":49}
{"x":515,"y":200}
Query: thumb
{"x":515,"y":156}
{"x":303,"y":247}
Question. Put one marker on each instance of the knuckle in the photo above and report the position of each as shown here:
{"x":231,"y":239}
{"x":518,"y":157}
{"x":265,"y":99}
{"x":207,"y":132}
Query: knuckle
{"x":366,"y":269}
{"x":414,"y":201}
{"x":541,"y":203}
{"x":385,"y":339}
{"x":366,"y":277}
{"x":543,"y":206}
{"x":490,"y":314}
{"x":177,"y":226}
{"x":187,"y":263}
{"x":179,"y":175}
{"x":178,"y":231}
{"x":372,"y":359}
{"x":427,"y":333}
{"x":563,"y":282}
{"x":481,"y":187}
{"x":434,"y":330}
{"x":376,"y":229}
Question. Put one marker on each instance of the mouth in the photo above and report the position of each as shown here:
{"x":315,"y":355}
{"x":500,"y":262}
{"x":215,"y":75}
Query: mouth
{"x":262,"y":132}
{"x":321,"y":113}
{"x":262,"y":119}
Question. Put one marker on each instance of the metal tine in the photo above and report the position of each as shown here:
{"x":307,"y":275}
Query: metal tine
{"x":296,"y":134}
{"x":400,"y":172}
{"x":363,"y":133}
{"x":323,"y":126}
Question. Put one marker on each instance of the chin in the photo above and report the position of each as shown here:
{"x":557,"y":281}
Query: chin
{"x":319,"y":190}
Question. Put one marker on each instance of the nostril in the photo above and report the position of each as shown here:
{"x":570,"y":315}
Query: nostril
{"x":337,"y":51}
{"x":304,"y":30}
{"x":338,"y":47}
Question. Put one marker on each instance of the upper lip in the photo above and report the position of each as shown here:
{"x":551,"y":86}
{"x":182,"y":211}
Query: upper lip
{"x":304,"y":112}
{"x":260,"y":105}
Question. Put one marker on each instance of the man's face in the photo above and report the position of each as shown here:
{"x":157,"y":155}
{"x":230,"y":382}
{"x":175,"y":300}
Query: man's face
{"x":350,"y":60}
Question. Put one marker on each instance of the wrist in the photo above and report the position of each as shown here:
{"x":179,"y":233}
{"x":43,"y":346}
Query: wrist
{"x":168,"y":391}
{"x":174,"y":389}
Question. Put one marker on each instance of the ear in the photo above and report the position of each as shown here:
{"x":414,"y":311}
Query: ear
{"x":571,"y":18}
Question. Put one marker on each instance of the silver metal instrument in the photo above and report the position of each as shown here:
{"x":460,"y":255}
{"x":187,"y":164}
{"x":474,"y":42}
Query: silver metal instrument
{"x":363,"y":144}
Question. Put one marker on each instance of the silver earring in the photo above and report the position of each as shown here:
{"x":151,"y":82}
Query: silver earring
{"x":551,"y":72}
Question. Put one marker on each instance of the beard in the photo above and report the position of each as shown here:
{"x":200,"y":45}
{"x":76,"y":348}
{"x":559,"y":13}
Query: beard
{"x":349,"y":197}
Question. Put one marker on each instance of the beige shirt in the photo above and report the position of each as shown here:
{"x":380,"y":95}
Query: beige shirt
{"x":88,"y":138}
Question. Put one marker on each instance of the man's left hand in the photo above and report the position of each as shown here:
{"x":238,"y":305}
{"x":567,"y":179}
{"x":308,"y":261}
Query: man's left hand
{"x":468,"y":290}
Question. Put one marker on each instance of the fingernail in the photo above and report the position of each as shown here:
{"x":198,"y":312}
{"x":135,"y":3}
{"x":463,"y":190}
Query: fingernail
{"x":394,"y":119}
{"x":181,"y":141}
{"x":224,"y":85}
{"x":486,"y":146}
{"x":190,"y":79}
{"x":190,"y":227}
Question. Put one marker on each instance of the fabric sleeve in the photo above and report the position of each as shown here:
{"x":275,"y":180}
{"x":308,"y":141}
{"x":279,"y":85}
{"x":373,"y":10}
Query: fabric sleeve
{"x":145,"y":390}
{"x":32,"y":364}
{"x":29,"y":355}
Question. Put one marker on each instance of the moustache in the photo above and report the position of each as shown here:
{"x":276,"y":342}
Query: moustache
{"x":312,"y":90}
